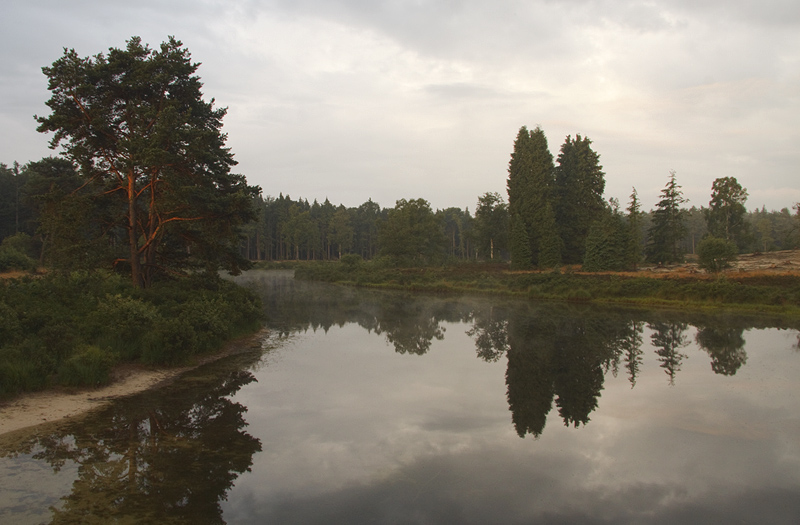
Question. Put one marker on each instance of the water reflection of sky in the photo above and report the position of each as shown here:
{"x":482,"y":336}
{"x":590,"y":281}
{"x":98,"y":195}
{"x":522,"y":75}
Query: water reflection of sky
{"x":353,"y":432}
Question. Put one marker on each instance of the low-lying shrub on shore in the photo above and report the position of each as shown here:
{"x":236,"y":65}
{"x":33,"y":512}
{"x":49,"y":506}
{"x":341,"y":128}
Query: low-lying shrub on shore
{"x":71,"y":329}
{"x":742,"y":291}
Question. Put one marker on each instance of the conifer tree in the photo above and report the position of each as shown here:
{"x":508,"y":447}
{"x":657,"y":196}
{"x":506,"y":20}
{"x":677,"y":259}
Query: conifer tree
{"x":549,"y":240}
{"x":607,"y":243}
{"x":150,"y":148}
{"x":520,"y":247}
{"x":634,"y":251}
{"x":664,"y":246}
{"x":579,"y":185}
{"x":530,"y":189}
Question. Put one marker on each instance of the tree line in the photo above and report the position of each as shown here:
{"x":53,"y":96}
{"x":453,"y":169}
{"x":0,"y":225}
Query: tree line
{"x":40,"y":220}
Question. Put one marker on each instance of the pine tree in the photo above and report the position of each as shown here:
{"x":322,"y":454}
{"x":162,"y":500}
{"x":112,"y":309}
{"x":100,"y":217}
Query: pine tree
{"x":664,"y":246}
{"x":150,"y":148}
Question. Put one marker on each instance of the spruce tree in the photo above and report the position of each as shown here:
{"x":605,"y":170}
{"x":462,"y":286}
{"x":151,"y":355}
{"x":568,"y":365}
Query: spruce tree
{"x":664,"y":246}
{"x":549,"y":241}
{"x":519,"y":245}
{"x":607,"y":243}
{"x":530,"y":189}
{"x":634,"y":248}
{"x":579,"y":185}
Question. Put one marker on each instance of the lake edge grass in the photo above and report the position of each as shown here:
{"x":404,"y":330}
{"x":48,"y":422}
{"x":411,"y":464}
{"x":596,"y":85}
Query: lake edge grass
{"x":756,"y":292}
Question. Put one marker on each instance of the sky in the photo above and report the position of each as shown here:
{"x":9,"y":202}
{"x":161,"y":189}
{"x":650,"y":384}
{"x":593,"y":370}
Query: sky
{"x":352,"y":100}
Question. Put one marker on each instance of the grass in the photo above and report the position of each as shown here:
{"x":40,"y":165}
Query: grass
{"x":758,"y":291}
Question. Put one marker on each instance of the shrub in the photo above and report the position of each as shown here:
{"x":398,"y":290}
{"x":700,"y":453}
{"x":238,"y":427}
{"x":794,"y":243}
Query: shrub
{"x":21,"y":242}
{"x":18,"y":374}
{"x":121,"y":323}
{"x":10,"y":328}
{"x":89,"y":366}
{"x":351,"y":259}
{"x":714,"y":255}
{"x":13,"y":259}
{"x":172,"y":341}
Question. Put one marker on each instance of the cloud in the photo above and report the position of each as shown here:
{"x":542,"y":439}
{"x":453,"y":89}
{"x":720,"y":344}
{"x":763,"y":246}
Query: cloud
{"x":356,"y":99}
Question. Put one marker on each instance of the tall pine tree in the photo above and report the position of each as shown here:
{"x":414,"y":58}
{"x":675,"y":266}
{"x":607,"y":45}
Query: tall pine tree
{"x":579,"y":185}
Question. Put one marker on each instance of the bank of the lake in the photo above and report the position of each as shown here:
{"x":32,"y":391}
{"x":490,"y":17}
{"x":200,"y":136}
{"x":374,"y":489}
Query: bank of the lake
{"x":56,"y":404}
{"x":75,"y":331}
{"x":775,"y":293}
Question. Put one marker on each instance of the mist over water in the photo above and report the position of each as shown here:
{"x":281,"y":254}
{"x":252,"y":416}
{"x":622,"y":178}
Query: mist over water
{"x":379,"y":407}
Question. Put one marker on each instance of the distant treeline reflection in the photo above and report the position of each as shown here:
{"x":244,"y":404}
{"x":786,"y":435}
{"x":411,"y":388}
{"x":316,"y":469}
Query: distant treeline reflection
{"x":558,"y":354}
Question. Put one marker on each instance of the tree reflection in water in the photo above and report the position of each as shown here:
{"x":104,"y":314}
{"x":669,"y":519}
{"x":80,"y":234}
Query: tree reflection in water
{"x":725,"y":345}
{"x":557,"y":353}
{"x":560,"y":354}
{"x":145,"y":460}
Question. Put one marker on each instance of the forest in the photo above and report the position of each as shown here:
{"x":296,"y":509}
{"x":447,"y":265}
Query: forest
{"x":410,"y":233}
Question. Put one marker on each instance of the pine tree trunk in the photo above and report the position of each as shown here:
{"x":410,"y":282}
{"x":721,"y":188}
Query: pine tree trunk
{"x":133,"y":237}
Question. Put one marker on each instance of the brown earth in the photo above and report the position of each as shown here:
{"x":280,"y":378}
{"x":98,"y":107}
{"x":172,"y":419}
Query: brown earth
{"x":786,"y":262}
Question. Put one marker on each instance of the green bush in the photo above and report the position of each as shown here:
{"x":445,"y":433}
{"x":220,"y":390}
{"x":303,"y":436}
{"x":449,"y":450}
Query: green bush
{"x":122,"y":322}
{"x":18,"y":374}
{"x":10,"y":329}
{"x":171,"y":342}
{"x":21,"y":242}
{"x":13,"y":259}
{"x":57,"y":324}
{"x":89,"y":366}
{"x":714,"y":255}
{"x":351,"y":259}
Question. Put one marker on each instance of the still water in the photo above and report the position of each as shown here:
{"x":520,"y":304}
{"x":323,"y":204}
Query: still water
{"x":372,"y":407}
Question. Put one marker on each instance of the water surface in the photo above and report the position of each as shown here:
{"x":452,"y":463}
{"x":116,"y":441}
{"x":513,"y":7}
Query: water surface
{"x":367,"y":407}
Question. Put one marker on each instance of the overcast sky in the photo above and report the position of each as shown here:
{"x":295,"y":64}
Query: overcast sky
{"x":388,"y":99}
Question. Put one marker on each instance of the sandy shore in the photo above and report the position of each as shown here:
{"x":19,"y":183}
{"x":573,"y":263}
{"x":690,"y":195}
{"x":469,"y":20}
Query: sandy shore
{"x":37,"y":408}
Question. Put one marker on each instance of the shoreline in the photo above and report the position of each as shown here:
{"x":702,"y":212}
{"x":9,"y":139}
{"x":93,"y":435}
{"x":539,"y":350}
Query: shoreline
{"x":32,"y":409}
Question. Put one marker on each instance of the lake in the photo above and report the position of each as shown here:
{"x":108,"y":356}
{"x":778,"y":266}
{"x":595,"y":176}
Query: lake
{"x":363,"y":406}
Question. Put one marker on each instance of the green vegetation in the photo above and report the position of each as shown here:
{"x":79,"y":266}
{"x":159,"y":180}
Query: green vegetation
{"x":154,"y":192}
{"x":15,"y":253}
{"x":775,"y":293}
{"x":143,"y":189}
{"x":664,"y":245}
{"x":715,"y":254}
{"x":726,"y":211}
{"x":70,"y":329}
